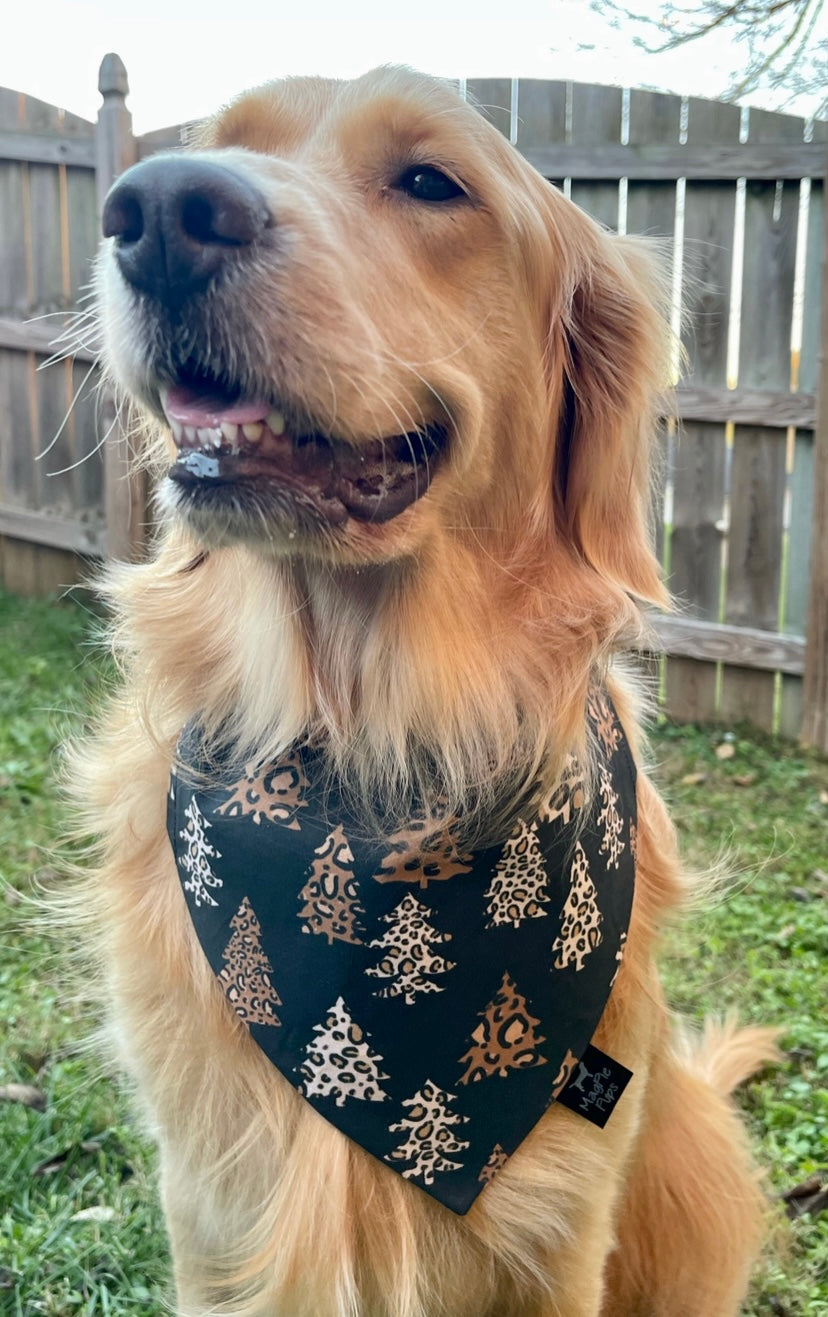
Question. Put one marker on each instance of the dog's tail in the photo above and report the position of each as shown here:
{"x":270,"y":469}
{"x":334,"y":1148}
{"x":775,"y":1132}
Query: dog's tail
{"x":695,"y":1213}
{"x":725,"y":1054}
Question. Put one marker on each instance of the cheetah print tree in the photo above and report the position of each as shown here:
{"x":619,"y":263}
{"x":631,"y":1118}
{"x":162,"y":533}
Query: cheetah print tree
{"x":581,"y":925}
{"x":330,"y":896}
{"x":197,"y":856}
{"x":422,"y":853}
{"x":246,"y":977}
{"x":408,"y":955}
{"x":567,"y":797}
{"x":610,"y":821}
{"x":339,"y":1063}
{"x":497,"y":1160}
{"x":604,"y":721}
{"x":429,"y":1126}
{"x":274,"y":792}
{"x":519,"y":885}
{"x":506,"y":1038}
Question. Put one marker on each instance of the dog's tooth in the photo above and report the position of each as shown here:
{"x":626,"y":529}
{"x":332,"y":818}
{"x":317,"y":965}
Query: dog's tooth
{"x":209,"y":437}
{"x":177,"y":431}
{"x":190,"y":433}
{"x":230,"y":431}
{"x":253,"y":431}
{"x":163,"y":394}
{"x":275,"y":422}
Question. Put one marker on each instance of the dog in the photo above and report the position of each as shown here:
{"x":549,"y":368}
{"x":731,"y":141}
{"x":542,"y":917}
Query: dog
{"x":399,"y":399}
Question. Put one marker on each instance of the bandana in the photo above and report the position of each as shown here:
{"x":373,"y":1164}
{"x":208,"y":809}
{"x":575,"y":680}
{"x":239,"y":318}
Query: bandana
{"x":429,"y":1002}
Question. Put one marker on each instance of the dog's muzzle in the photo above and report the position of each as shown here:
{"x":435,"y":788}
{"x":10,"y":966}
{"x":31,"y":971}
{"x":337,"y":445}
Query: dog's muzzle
{"x":180,"y":226}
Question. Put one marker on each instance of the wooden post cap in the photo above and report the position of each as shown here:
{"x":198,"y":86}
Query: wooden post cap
{"x":112,"y":77}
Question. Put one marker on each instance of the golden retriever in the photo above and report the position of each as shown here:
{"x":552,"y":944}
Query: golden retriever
{"x":400,"y":397}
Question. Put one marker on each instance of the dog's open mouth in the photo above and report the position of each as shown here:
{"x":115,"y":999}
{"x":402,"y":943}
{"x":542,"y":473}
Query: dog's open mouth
{"x":224,"y":440}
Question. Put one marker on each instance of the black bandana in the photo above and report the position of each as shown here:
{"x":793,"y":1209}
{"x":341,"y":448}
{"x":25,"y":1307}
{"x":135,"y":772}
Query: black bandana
{"x":428,"y":1002}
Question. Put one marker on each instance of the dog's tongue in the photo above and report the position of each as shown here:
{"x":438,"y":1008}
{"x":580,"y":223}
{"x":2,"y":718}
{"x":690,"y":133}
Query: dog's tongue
{"x":201,"y":408}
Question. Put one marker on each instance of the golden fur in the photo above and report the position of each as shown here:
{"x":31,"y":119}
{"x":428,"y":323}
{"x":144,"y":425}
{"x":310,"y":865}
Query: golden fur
{"x":453,"y":644}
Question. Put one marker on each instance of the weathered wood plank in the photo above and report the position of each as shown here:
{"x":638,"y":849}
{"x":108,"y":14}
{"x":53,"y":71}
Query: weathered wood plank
{"x":89,"y":473}
{"x":44,"y":217}
{"x":14,"y":267}
{"x":799,"y":542}
{"x":696,"y":544}
{"x":12,"y":109}
{"x":696,"y":402}
{"x":754,"y":562}
{"x":815,"y":687}
{"x":124,"y":500}
{"x":38,"y":336}
{"x":165,"y":139}
{"x":493,"y":97}
{"x":13,"y":443}
{"x":698,"y":506}
{"x":48,"y":149}
{"x":20,"y":567}
{"x":55,"y":468}
{"x":38,"y":569}
{"x":18,"y":110}
{"x":596,"y":120}
{"x":83,"y":230}
{"x":16,"y":472}
{"x":767,"y":651}
{"x":715,"y":162}
{"x":115,"y":148}
{"x":651,"y":207}
{"x":541,"y":112}
{"x":76,"y":534}
{"x":797,"y":576}
{"x":758,"y":472}
{"x":651,"y":212}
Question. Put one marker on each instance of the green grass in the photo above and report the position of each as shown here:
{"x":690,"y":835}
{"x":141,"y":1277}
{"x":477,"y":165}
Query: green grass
{"x":761,"y":948}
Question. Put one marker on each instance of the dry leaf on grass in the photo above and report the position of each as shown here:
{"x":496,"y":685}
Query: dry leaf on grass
{"x":25,"y":1093}
{"x":811,"y":1196}
{"x":99,"y":1213}
{"x":725,"y":750}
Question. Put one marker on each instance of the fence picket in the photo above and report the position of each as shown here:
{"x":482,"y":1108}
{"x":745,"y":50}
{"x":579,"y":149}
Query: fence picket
{"x":596,"y":120}
{"x":801,"y":512}
{"x":541,"y":114}
{"x":757,"y":490}
{"x":651,"y":212}
{"x":700,"y":448}
{"x":493,"y":96}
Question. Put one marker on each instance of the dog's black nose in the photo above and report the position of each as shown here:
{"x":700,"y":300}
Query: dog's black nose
{"x":176,"y":219}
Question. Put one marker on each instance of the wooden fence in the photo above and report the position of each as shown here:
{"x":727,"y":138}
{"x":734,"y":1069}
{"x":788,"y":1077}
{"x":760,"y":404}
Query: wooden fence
{"x":744,"y":526}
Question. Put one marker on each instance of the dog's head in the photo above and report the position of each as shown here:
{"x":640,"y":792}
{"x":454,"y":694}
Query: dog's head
{"x":362,"y":320}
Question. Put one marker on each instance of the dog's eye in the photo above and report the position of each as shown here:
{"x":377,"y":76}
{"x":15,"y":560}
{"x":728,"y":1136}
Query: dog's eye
{"x":425,"y":183}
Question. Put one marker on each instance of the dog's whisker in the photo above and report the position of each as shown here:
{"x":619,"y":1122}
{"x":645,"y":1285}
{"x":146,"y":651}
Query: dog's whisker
{"x":39,"y":456}
{"x":86,"y":456}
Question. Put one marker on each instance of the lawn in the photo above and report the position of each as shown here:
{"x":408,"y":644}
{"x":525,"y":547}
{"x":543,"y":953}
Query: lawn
{"x":80,"y":1228}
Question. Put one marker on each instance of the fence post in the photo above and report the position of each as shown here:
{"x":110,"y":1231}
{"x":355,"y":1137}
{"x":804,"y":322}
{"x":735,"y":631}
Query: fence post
{"x":124,"y":490}
{"x":815,"y":686}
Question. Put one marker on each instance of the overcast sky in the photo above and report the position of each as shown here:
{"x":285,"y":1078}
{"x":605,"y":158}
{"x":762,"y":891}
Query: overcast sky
{"x":185,"y":58}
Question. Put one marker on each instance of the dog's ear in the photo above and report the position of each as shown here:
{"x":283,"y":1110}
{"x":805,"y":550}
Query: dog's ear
{"x":611,"y":342}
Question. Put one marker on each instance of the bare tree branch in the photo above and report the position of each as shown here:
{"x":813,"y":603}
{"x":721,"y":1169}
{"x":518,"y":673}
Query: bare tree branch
{"x":783,"y":52}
